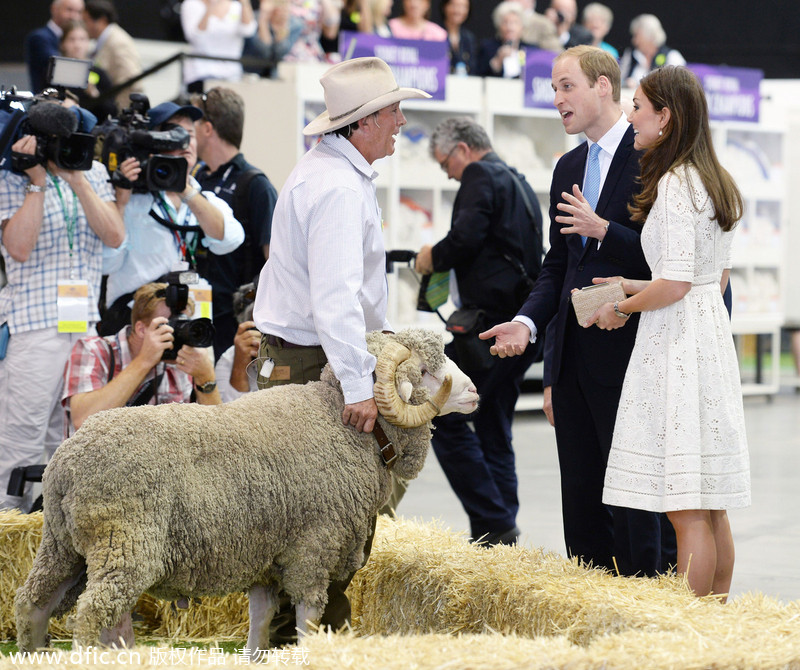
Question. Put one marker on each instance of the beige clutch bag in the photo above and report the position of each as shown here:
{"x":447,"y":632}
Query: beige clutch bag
{"x":588,"y":299}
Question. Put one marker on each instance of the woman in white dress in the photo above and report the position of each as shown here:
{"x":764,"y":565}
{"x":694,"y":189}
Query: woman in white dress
{"x":679,"y":441}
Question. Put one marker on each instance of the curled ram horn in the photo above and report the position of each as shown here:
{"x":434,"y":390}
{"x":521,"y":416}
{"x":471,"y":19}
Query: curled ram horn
{"x":390,"y":404}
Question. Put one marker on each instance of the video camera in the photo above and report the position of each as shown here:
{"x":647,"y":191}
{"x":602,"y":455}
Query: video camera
{"x":192,"y":332}
{"x":128,"y":136}
{"x":55,"y":127}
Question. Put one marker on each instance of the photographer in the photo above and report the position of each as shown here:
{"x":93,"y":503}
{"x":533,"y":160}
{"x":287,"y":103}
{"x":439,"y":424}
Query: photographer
{"x":164,"y":228}
{"x":128,"y":369}
{"x":246,"y":189}
{"x":235,"y":369}
{"x":53,"y":225}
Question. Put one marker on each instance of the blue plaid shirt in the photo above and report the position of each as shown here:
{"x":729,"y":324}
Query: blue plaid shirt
{"x":28,"y":301}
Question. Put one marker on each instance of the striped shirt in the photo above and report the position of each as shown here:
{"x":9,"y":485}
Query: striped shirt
{"x":325,"y":280}
{"x":89,"y":365}
{"x":28,"y":300}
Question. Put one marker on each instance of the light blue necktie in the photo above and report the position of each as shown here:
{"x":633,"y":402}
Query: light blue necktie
{"x":591,"y":187}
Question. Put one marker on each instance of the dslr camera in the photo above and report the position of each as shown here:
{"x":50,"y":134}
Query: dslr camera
{"x":55,"y":127}
{"x":128,"y":136}
{"x":192,"y":332}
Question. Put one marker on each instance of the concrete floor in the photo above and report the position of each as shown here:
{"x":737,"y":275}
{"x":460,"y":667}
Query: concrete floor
{"x":767,"y":534}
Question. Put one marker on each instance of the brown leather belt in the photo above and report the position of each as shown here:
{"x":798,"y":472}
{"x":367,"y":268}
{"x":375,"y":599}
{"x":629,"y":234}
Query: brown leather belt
{"x":275,"y":341}
{"x":385,"y":446}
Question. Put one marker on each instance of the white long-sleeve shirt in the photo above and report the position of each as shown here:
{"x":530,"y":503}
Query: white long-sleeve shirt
{"x":224,"y":36}
{"x":151,"y":250}
{"x":325,"y":280}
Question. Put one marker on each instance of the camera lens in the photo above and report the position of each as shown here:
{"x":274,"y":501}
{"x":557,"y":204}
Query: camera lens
{"x":163,"y":173}
{"x":166,"y":173}
{"x":75,"y":152}
{"x":200,"y":333}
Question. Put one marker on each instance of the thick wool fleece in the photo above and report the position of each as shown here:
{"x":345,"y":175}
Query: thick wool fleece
{"x":190,"y":500}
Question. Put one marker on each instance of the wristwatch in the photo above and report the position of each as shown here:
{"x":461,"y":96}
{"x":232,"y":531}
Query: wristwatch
{"x":192,"y":193}
{"x":619,"y":313}
{"x":34,"y":188}
{"x":208,"y":387}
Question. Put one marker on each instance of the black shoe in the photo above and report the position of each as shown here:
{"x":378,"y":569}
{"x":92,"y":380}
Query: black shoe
{"x":509,"y":537}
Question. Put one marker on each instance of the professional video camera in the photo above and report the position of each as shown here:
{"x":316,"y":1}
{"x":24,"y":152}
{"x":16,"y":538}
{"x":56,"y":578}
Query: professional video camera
{"x":192,"y":332}
{"x":128,"y":135}
{"x":60,"y":131}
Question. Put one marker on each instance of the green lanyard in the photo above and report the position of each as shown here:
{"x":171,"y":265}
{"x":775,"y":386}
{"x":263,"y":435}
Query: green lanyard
{"x":68,"y":221}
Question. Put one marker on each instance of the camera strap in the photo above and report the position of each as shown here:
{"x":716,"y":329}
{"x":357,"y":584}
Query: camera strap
{"x":178,"y":230}
{"x":146,"y":390}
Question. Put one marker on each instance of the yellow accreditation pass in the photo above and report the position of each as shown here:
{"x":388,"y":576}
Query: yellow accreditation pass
{"x":201,"y":294}
{"x":73,"y":306}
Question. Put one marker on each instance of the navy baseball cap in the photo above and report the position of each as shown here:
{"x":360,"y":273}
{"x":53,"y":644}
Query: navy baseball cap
{"x":86,"y":120}
{"x":166,"y":110}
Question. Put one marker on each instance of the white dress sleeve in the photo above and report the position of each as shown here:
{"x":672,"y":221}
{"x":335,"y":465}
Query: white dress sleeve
{"x":674,"y":207}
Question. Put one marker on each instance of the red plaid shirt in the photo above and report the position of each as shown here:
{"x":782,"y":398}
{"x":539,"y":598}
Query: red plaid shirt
{"x":90,"y":363}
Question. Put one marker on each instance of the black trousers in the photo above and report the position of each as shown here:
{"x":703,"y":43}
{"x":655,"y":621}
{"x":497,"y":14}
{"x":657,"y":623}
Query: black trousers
{"x":476,"y":452}
{"x":585,"y":412}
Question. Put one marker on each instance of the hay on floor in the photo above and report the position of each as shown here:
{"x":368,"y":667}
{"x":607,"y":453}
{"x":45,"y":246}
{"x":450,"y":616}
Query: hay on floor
{"x":429,"y":599}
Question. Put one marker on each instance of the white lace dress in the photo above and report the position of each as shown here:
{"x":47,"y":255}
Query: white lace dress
{"x":679,"y":440}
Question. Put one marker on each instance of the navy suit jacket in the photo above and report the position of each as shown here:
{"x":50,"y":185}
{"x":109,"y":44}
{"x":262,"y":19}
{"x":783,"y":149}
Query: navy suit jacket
{"x":603,"y":354}
{"x":490,"y":221}
{"x":39,"y":46}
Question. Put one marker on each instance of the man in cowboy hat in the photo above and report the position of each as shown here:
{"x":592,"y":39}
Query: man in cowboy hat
{"x":324,"y":285}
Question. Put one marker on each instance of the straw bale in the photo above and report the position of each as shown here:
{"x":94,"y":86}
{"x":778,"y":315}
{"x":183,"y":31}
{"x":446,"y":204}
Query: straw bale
{"x":20,"y":536}
{"x":442,"y":652}
{"x":433,"y":581}
{"x":429,"y":599}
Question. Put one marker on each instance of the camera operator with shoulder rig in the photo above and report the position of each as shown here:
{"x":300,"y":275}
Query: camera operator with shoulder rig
{"x":56,"y":212}
{"x":138,"y":365}
{"x":167,"y":216}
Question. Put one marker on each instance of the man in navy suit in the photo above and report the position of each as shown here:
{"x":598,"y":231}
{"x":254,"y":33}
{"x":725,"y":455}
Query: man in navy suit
{"x":585,"y":367}
{"x":44,"y":42}
{"x":495,"y":248}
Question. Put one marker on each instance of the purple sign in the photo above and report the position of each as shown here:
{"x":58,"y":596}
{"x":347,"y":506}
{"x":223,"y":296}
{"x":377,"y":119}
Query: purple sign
{"x":538,"y":78}
{"x":732,"y":93}
{"x":415,"y":63}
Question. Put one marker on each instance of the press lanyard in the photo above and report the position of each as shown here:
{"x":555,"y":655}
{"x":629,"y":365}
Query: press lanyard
{"x":222,"y":181}
{"x":68,"y":222}
{"x":180,"y":238}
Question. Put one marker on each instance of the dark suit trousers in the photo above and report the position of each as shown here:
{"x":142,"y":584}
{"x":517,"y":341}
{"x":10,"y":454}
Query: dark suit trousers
{"x":478,"y":460}
{"x":585,"y":412}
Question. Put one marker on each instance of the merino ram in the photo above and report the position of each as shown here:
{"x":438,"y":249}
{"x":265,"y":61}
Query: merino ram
{"x":269,"y":492}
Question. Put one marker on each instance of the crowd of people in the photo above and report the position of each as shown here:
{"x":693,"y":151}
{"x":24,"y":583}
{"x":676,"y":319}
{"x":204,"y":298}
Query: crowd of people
{"x":308,"y":30}
{"x":645,"y":482}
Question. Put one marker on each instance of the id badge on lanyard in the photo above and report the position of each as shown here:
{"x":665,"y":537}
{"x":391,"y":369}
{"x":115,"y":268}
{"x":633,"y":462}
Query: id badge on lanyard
{"x":73,"y":306}
{"x":72,"y":298}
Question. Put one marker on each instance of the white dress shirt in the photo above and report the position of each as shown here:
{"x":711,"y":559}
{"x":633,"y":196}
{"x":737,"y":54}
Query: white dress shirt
{"x":325,"y":280}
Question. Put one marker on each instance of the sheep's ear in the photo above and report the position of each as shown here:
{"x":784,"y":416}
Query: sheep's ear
{"x":405,"y":390}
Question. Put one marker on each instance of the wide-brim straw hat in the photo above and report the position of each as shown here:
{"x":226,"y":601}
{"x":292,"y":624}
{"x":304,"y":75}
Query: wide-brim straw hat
{"x":354,"y":89}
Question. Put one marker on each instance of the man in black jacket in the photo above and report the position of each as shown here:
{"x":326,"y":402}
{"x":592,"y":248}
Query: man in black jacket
{"x":495,"y":248}
{"x":246,"y":189}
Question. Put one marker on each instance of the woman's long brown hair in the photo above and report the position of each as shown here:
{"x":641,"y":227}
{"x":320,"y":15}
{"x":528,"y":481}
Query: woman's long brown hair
{"x":686,"y":141}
